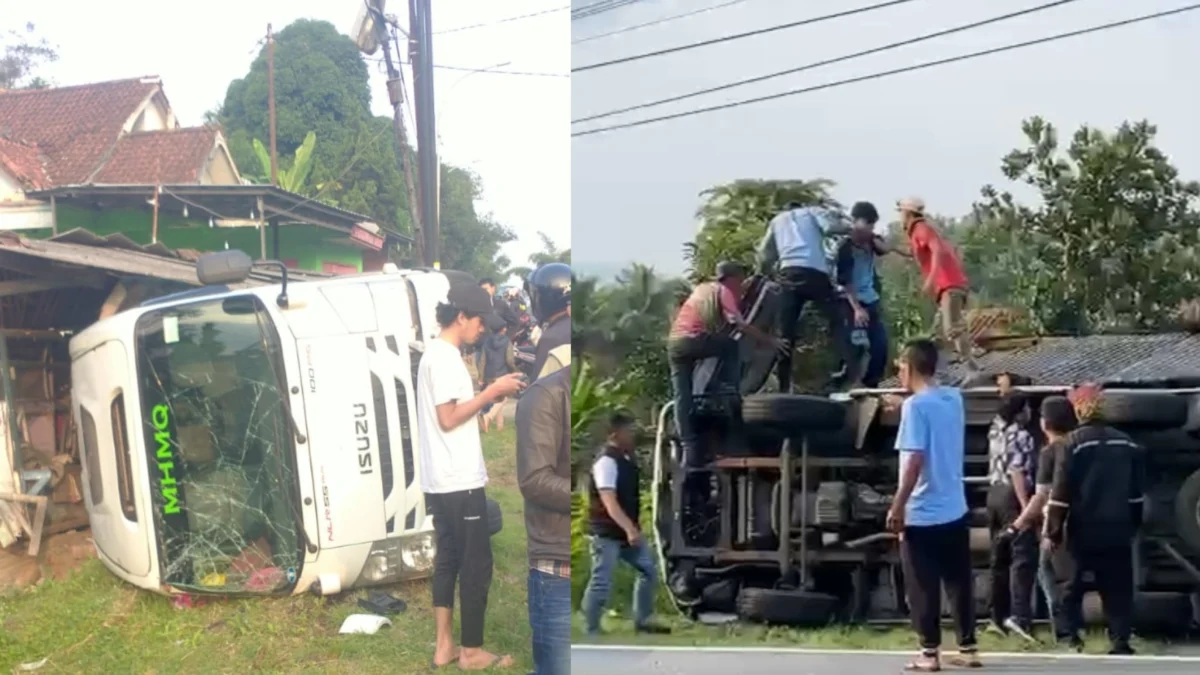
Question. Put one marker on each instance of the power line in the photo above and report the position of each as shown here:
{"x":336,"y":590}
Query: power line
{"x":656,"y":22}
{"x":488,"y":24}
{"x":498,"y":72}
{"x":826,"y":62}
{"x":896,"y":71}
{"x":485,"y":71}
{"x":599,"y":8}
{"x":739,"y":36}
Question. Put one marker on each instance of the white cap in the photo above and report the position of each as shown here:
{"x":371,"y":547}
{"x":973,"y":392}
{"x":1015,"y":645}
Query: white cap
{"x":911,"y":205}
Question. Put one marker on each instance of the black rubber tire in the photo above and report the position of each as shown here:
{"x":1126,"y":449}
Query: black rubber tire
{"x":786,"y":608}
{"x":793,"y":414}
{"x":1162,"y":612}
{"x":495,"y":517}
{"x":1187,"y":512}
{"x":1147,"y":410}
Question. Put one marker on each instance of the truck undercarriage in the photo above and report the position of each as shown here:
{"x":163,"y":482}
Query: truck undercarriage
{"x":779,"y":515}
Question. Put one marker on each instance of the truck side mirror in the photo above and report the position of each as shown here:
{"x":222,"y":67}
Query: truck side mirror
{"x":223,"y":267}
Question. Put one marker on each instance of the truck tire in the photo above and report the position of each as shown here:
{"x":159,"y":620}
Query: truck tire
{"x":1147,"y":410}
{"x":793,"y":414}
{"x":787,"y":608}
{"x":1187,"y":512}
{"x":494,"y":517}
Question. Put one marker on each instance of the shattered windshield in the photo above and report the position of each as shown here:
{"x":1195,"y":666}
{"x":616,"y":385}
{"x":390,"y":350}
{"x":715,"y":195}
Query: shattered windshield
{"x":218,"y":439}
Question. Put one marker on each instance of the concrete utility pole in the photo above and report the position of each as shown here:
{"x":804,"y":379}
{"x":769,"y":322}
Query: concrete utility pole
{"x":421,"y":57}
{"x":395,"y":87}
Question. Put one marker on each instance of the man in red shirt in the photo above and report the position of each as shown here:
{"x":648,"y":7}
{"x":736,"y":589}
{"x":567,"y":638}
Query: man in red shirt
{"x":942,"y":272}
{"x":704,"y":328}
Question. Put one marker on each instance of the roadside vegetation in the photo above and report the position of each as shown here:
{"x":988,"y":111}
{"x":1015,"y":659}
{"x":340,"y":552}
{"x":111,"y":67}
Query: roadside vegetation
{"x":93,"y":623}
{"x":1108,"y":243}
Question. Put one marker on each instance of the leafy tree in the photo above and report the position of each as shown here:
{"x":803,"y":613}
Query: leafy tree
{"x":470,"y":242}
{"x":1112,"y":243}
{"x":734,"y":218}
{"x":322,"y":87}
{"x":21,"y":54}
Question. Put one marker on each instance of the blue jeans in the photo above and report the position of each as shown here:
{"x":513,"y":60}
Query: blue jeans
{"x":878,"y":349}
{"x":605,"y":554}
{"x":550,"y":619}
{"x":1048,"y":582}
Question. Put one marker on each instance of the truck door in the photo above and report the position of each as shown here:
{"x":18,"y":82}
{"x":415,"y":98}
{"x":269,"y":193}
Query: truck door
{"x":115,"y":480}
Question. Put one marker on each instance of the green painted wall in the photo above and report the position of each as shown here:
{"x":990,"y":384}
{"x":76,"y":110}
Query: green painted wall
{"x":309,"y":245}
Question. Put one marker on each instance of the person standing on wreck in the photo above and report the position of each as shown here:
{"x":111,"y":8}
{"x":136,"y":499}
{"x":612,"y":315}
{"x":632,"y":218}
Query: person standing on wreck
{"x":795,"y":242}
{"x":943,"y":276}
{"x":929,"y":511}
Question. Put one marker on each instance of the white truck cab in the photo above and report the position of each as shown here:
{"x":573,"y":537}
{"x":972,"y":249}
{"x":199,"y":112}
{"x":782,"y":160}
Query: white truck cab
{"x":262,"y":440}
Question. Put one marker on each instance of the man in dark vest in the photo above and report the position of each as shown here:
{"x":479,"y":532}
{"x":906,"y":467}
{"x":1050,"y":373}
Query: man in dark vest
{"x":614,"y":504}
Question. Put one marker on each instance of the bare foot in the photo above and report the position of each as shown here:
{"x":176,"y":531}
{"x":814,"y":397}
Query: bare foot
{"x":445,"y":656}
{"x":483,"y":660}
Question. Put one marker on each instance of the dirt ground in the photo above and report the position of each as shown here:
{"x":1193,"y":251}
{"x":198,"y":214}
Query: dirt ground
{"x":60,"y":555}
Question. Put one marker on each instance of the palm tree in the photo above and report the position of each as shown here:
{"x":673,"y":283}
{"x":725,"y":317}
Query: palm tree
{"x":734,"y":217}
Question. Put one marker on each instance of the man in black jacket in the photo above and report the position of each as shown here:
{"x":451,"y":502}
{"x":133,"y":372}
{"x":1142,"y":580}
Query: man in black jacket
{"x":550,"y":292}
{"x":614,"y":503}
{"x":544,"y":474}
{"x":1095,"y":510}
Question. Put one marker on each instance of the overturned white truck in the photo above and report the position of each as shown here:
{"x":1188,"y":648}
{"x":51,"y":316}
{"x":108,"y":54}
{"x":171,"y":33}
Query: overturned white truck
{"x":261,"y":440}
{"x":781,"y":519}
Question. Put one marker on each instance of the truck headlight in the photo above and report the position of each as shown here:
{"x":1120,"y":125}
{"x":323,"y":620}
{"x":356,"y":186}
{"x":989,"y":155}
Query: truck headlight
{"x":392,"y":560}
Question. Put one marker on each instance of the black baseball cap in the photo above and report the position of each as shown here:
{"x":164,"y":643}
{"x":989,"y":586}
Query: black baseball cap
{"x":472,"y":300}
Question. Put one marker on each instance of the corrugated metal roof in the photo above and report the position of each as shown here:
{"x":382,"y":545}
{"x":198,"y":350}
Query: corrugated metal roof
{"x":117,"y":254}
{"x":1110,"y":359}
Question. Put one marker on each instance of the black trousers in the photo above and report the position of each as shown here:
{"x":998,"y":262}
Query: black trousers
{"x":1014,"y":559}
{"x":1112,"y":568}
{"x":802,"y":285}
{"x":933,"y":556}
{"x":464,"y":555}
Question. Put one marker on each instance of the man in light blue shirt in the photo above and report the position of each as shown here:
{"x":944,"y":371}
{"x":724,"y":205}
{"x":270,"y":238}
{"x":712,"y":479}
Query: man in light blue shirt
{"x":795,"y":243}
{"x":929,"y":511}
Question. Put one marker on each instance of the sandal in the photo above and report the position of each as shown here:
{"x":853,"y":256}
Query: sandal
{"x":925,"y":663}
{"x":965,"y":659}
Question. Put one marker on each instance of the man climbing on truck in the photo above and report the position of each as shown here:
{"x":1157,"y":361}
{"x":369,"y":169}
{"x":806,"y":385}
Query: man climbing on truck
{"x":704,"y":328}
{"x":943,"y":277}
{"x":795,"y":243}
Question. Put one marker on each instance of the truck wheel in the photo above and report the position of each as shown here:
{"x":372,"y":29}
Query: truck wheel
{"x":1187,"y":512}
{"x":494,"y":517}
{"x":1144,"y":409}
{"x":792,"y":414}
{"x":788,"y":608}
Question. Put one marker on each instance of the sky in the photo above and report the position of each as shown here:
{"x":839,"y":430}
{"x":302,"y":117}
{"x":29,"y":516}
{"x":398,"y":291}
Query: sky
{"x":512,"y":130}
{"x":938,"y":133}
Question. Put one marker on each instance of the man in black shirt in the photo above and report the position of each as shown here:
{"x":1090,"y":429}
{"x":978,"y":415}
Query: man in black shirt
{"x":1058,"y":421}
{"x":1095,"y":510}
{"x":614,"y":503}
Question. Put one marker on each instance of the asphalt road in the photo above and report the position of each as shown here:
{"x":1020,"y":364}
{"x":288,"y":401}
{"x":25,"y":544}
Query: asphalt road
{"x":587,"y":660}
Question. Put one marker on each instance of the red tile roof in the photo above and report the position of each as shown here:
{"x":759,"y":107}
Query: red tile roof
{"x":171,"y":157}
{"x":25,"y":163}
{"x":73,"y":127}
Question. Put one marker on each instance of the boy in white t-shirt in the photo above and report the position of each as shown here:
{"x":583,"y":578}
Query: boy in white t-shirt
{"x":453,"y":473}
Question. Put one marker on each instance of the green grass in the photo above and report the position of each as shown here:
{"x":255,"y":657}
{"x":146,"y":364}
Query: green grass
{"x":94,"y":623}
{"x":618,"y":629}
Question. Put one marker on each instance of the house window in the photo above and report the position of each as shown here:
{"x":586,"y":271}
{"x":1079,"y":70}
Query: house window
{"x":124,"y":458}
{"x":87,"y":429}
